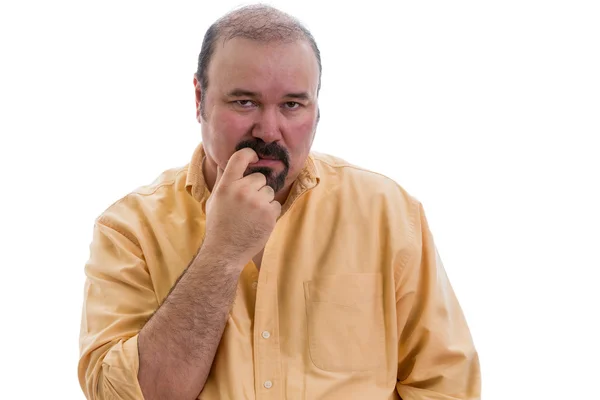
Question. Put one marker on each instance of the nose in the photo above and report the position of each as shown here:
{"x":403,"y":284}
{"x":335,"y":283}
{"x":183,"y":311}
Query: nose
{"x":267,"y":126}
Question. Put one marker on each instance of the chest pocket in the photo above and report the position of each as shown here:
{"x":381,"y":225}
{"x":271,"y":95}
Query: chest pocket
{"x":345,"y":322}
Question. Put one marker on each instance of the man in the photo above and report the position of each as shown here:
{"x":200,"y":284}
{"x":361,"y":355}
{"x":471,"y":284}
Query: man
{"x":262,"y":270}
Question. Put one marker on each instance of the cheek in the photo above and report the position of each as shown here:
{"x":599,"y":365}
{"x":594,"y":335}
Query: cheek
{"x":299,"y":141}
{"x":302,"y":135}
{"x":229,"y":123}
{"x":225,"y":131}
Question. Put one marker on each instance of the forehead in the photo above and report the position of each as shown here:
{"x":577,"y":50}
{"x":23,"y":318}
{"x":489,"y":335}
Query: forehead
{"x":264,"y":67}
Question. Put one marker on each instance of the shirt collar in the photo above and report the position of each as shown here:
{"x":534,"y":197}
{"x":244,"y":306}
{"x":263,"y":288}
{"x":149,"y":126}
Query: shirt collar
{"x":196,"y":186}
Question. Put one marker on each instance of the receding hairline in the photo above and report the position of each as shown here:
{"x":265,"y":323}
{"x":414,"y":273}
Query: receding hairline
{"x":262,"y":23}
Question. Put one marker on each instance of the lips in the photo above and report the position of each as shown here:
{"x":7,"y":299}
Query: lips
{"x":266,"y":162}
{"x":268,"y":158}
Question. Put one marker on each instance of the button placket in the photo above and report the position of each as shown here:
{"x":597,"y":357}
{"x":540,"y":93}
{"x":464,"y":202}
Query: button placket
{"x":266,"y":343}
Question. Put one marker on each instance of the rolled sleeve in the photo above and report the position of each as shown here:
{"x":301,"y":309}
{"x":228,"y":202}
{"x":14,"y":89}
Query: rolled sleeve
{"x":118,"y":300}
{"x":118,"y":379}
{"x":437,"y":359}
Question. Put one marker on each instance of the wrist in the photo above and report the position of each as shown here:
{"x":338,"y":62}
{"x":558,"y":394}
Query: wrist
{"x":217,"y":255}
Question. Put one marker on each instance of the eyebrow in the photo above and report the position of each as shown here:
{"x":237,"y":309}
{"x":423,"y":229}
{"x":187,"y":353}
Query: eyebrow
{"x":242,"y":93}
{"x":247,"y":93}
{"x":299,"y":96}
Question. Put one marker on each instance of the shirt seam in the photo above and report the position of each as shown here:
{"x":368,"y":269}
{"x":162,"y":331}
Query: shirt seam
{"x":349,"y":165}
{"x":160,"y":185}
{"x":138,"y":192}
{"x":102,"y":220}
{"x":413,"y":249}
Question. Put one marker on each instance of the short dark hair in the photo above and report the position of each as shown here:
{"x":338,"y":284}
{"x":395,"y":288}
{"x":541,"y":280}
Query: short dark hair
{"x":256,"y":22}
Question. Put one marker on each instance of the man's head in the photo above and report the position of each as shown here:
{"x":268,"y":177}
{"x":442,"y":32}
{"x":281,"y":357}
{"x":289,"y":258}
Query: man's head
{"x":257,"y":86}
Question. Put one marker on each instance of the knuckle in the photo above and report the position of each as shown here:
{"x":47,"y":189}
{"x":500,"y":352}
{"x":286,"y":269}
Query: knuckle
{"x":243,"y":193}
{"x":221,"y":192}
{"x":256,"y":204}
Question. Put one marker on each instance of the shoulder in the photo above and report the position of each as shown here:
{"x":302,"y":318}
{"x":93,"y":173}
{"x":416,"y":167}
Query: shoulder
{"x":132,"y":211}
{"x":342,"y":176}
{"x":374,"y":201}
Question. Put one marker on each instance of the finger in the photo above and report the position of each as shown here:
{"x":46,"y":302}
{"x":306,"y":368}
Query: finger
{"x":268,"y":192}
{"x":255,"y":180}
{"x":238,"y":163}
{"x":276,"y":206}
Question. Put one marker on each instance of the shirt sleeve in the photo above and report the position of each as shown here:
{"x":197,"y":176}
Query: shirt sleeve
{"x":118,"y":300}
{"x":437,"y":359}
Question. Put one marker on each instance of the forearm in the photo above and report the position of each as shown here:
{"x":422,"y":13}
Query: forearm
{"x":177,"y":346}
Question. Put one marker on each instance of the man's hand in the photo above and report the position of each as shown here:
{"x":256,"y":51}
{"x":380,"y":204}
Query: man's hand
{"x":241,"y":212}
{"x":178,"y":344}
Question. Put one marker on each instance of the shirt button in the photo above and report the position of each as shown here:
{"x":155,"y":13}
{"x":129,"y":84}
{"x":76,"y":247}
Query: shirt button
{"x":266,"y":334}
{"x":268,"y":384}
{"x":254,"y":285}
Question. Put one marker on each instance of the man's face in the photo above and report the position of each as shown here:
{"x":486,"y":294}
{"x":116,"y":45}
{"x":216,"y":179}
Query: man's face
{"x":262,"y":96}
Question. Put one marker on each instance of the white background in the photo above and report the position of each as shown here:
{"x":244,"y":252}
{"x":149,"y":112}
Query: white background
{"x":488,"y":112}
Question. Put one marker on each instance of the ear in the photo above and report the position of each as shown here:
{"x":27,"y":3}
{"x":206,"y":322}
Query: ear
{"x":198,"y":91}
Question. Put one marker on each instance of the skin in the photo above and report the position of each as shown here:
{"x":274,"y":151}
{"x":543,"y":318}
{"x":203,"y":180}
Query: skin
{"x":273,"y":72}
{"x":178,"y":344}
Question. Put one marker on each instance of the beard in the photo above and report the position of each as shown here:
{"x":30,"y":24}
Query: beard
{"x":269,"y":150}
{"x":276,"y":181}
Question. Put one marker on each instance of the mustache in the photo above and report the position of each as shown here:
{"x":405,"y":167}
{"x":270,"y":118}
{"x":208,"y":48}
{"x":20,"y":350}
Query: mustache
{"x":271,"y":150}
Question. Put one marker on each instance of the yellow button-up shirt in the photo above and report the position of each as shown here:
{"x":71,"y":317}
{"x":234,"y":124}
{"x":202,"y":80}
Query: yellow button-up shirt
{"x":351,"y":300}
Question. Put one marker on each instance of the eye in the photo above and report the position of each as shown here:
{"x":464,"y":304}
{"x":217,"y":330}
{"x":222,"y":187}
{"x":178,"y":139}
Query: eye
{"x":244,"y":103}
{"x":291,"y":105}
